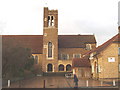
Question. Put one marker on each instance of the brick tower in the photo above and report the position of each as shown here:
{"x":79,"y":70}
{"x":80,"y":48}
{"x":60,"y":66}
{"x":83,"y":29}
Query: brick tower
{"x":50,"y":40}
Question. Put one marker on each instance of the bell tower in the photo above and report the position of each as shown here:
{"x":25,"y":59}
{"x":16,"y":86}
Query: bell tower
{"x":50,"y":40}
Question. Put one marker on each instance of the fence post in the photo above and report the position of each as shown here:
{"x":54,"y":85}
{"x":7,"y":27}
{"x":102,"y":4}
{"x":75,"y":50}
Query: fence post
{"x":8,"y":83}
{"x":101,"y":83}
{"x":44,"y":84}
{"x":87,"y":83}
{"x":113,"y":82}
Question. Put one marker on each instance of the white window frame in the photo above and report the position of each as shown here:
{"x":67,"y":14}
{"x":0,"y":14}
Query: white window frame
{"x":93,"y":68}
{"x":51,"y":23}
{"x":34,"y":57}
{"x":88,"y":46}
{"x":52,"y":52}
{"x":91,"y":56}
{"x":66,"y":55}
{"x":99,"y":68}
{"x":75,"y":55}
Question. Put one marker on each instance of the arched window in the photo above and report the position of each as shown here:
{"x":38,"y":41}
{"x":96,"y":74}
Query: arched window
{"x":50,"y":21}
{"x":88,"y":46}
{"x":68,"y":67}
{"x":49,"y":67}
{"x":95,"y":67}
{"x":49,"y":49}
{"x":61,"y":67}
{"x":36,"y":59}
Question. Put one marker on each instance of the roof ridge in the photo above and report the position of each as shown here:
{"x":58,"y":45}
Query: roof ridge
{"x":76,"y":35}
{"x":21,"y":35}
{"x":103,"y":45}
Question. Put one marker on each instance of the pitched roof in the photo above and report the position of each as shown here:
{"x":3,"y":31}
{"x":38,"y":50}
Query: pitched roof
{"x":75,"y":41}
{"x":81,"y":62}
{"x":115,"y":39}
{"x":35,"y":42}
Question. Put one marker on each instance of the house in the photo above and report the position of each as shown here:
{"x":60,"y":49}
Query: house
{"x":53,"y":52}
{"x":105,"y":59}
{"x":82,"y":67}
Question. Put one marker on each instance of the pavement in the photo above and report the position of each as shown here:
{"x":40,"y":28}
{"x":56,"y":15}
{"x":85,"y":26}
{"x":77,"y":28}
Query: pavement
{"x":57,"y":82}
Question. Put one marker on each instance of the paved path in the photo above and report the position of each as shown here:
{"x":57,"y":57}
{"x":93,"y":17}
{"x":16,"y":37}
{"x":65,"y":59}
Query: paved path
{"x":54,"y":82}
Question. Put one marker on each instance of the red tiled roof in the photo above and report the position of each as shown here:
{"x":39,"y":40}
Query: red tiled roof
{"x":115,"y":39}
{"x":81,"y":62}
{"x":35,"y":42}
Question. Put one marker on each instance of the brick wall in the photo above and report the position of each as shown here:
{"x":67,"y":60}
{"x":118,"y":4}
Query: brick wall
{"x":107,"y":69}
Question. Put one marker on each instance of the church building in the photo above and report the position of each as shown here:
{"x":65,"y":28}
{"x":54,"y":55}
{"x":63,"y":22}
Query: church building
{"x":53,"y":52}
{"x":103,"y":60}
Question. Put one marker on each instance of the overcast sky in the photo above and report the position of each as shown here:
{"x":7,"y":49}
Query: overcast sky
{"x":25,"y":17}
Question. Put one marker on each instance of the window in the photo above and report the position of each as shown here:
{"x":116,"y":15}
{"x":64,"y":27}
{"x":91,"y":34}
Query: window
{"x":118,"y":50}
{"x":88,"y":47}
{"x":64,"y":56}
{"x":33,"y":57}
{"x":77,"y":55}
{"x":49,"y":67}
{"x":61,"y":67}
{"x":92,"y":68}
{"x":68,"y":67}
{"x":49,"y":50}
{"x":99,"y":68}
{"x":119,"y":67}
{"x":36,"y":59}
{"x":50,"y":20}
{"x":91,"y":56}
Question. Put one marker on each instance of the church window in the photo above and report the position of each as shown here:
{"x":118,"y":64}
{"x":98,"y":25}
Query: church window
{"x":68,"y":67}
{"x":49,"y":50}
{"x":50,"y":20}
{"x":49,"y":67}
{"x":91,"y":56}
{"x":77,"y":55}
{"x":61,"y":67}
{"x":88,"y":47}
{"x":36,"y":59}
{"x":99,"y":68}
{"x":64,"y":56}
{"x":92,"y":68}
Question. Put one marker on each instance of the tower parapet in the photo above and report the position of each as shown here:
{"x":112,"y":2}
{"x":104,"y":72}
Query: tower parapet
{"x":50,"y":40}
